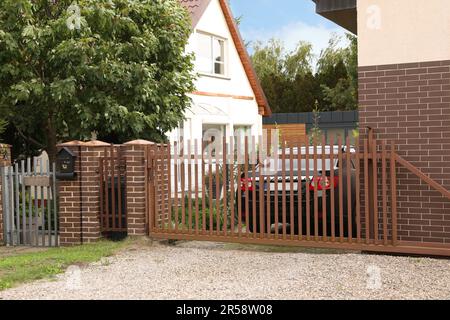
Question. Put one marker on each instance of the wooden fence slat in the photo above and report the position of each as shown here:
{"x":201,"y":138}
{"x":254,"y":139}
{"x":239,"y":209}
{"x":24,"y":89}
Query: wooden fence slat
{"x":366,"y":192}
{"x":113,"y":189}
{"x":261,"y":191}
{"x":384,"y":191}
{"x":203,"y":183}
{"x":332,"y":191}
{"x":375,"y":191}
{"x":283,"y":188}
{"x":324,"y":191}
{"x":55,"y":199}
{"x":218,"y":186}
{"x":175,"y":188}
{"x":24,"y":213}
{"x":300,"y":191}
{"x":210,"y":182}
{"x":196,"y":172}
{"x":42,"y":218}
{"x":30,"y":212}
{"x":246,"y":191}
{"x":232,"y":181}
{"x":291,"y":193}
{"x":183,"y":190}
{"x":358,"y":191}
{"x":253,"y":166}
{"x":308,"y":193}
{"x":349,"y":191}
{"x":189,"y":188}
{"x":224,"y":186}
{"x":394,"y":193}
{"x":341,"y":191}
{"x":316,"y":191}
{"x":276,"y":199}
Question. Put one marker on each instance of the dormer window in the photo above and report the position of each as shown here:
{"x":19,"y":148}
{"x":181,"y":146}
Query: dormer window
{"x":210,"y":55}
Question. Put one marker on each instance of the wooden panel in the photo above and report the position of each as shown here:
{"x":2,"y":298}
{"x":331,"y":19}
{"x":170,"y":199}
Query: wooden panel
{"x":290,"y":134}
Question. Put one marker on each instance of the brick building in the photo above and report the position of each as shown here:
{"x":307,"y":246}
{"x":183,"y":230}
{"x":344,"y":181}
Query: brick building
{"x":404,"y":95}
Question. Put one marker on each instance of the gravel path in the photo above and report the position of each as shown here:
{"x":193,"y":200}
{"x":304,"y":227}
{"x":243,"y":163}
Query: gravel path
{"x":211,"y":271}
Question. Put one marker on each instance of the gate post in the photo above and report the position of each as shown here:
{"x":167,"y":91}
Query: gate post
{"x":135,"y":153}
{"x":5,"y":161}
{"x":79,"y":204}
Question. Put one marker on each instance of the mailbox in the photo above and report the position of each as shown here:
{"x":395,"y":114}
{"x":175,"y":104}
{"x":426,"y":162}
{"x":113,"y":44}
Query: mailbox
{"x":65,"y":165}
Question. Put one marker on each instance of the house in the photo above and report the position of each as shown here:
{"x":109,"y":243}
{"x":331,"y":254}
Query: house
{"x":404,"y":96}
{"x":228,"y":99}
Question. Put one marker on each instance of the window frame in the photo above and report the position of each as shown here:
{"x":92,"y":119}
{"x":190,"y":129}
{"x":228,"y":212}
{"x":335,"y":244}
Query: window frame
{"x":224,"y":63}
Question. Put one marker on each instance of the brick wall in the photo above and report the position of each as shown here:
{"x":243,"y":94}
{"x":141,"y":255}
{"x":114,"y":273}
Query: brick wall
{"x":80,"y":198}
{"x":410,"y":103}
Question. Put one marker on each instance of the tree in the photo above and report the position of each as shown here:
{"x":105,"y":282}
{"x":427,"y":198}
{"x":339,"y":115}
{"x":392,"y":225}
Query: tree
{"x":3,"y":125}
{"x":291,"y":85}
{"x":115,"y":67}
{"x":286,"y":77}
{"x":338,"y":75}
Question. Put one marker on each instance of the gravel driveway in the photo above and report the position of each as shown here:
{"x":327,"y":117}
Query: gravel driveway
{"x":211,"y":271}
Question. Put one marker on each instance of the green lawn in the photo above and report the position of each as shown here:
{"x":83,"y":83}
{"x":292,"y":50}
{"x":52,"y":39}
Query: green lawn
{"x":29,"y":266}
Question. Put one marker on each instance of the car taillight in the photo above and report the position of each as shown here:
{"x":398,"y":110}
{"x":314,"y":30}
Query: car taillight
{"x":323,"y":183}
{"x":246,"y":184}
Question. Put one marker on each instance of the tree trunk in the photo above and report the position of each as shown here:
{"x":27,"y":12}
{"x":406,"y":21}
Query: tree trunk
{"x":51,"y":140}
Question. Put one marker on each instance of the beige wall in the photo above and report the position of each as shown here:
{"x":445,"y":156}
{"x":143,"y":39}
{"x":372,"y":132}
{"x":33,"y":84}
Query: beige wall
{"x":403,"y":31}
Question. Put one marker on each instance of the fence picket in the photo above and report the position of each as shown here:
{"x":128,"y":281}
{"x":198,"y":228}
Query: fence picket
{"x":349,"y":191}
{"x":196,"y":171}
{"x":332,"y":191}
{"x":316,"y":191}
{"x":283,"y":190}
{"x":324,"y":192}
{"x":384,"y":190}
{"x":308,"y":193}
{"x":341,"y":191}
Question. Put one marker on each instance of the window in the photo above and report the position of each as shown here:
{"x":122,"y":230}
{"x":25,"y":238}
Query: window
{"x":213,"y":137}
{"x":210,"y":56}
{"x":240,"y":133}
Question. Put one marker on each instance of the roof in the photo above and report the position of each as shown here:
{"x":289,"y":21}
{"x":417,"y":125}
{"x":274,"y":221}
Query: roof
{"x":342,"y":12}
{"x":196,"y":8}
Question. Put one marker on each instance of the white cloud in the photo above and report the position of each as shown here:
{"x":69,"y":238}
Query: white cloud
{"x":292,"y":34}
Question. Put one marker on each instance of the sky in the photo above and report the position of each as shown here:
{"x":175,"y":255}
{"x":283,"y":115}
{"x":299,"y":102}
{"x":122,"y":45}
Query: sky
{"x":289,"y":20}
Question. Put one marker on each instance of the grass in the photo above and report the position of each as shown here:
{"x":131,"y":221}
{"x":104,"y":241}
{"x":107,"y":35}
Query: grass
{"x":30,"y":266}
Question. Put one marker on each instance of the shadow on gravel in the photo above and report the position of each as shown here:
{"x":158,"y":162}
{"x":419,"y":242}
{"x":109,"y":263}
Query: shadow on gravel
{"x":253,"y":248}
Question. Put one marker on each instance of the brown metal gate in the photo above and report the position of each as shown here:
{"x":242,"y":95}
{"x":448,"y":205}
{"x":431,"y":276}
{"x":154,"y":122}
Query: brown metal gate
{"x":221,"y":192}
{"x":113,"y":207}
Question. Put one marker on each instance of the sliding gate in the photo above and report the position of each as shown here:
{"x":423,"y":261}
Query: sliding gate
{"x":29,"y":199}
{"x":311,"y":195}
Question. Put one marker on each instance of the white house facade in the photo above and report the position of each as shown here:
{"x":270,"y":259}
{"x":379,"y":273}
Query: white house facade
{"x":228,"y":98}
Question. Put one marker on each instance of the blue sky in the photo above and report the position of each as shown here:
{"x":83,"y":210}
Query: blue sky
{"x":288,"y":20}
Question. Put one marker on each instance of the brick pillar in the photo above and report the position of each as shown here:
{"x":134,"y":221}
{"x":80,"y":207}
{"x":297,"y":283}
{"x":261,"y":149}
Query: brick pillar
{"x":79,"y":199}
{"x":136,"y":202}
{"x":90,"y":182}
{"x":5,"y":160}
